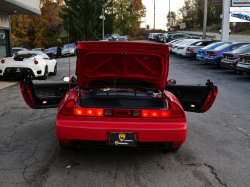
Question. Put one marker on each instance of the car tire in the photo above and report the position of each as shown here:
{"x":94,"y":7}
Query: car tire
{"x":6,"y":78}
{"x":46,"y":74}
{"x":75,"y":53}
{"x":62,"y":146}
{"x":55,"y":70}
{"x":175,"y":149}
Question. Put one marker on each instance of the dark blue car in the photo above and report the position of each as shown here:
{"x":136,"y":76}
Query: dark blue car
{"x":214,"y":56}
{"x":202,"y":53}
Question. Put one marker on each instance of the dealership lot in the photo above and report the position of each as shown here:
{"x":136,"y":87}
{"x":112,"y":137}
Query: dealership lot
{"x":215,"y":154}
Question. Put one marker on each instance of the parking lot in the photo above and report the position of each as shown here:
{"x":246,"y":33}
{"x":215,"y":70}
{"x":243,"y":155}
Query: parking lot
{"x":216,"y":152}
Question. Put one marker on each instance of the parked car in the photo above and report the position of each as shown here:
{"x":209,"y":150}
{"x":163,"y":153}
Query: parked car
{"x":214,"y":56}
{"x":69,"y":50}
{"x":16,"y":49}
{"x":243,"y":66}
{"x":193,"y":49}
{"x":38,"y":49}
{"x":174,"y":42}
{"x":175,"y":46}
{"x":34,"y":63}
{"x":182,"y":48}
{"x":230,"y":59}
{"x":149,"y":109}
{"x":202,"y":53}
{"x":54,"y":52}
{"x":176,"y":36}
{"x":120,"y":38}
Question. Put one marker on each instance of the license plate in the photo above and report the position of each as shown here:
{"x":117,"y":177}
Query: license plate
{"x":17,"y":70}
{"x":226,"y":57}
{"x":243,"y":60}
{"x":126,"y":139}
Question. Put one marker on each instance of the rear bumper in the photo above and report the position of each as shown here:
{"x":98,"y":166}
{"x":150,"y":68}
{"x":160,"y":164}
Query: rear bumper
{"x":69,"y":128}
{"x":23,"y":71}
{"x":228,"y":64}
{"x":244,"y":69}
{"x":193,"y":55}
{"x":215,"y":61}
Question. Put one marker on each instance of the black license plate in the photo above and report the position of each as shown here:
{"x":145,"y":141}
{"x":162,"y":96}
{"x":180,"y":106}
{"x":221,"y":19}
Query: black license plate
{"x":127,"y":139}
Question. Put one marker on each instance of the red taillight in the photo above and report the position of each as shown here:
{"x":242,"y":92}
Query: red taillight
{"x":36,"y":62}
{"x":176,"y":112}
{"x":215,"y":54}
{"x":2,"y":61}
{"x":204,"y":52}
{"x":155,"y":113}
{"x":88,"y":112}
{"x":176,"y":47}
{"x":190,"y":49}
{"x":234,"y":57}
{"x":68,"y":109}
{"x":182,"y":47}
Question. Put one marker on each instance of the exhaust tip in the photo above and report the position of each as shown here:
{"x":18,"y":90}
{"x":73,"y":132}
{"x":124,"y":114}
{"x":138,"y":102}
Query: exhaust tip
{"x":165,"y":151}
{"x":77,"y":148}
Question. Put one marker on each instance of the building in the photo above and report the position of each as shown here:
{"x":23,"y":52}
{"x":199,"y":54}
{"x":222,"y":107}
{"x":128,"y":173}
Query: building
{"x":11,"y":7}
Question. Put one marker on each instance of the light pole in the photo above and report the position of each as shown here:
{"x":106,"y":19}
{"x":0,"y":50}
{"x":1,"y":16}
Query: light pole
{"x":205,"y":20}
{"x":169,"y":17}
{"x":103,"y":18}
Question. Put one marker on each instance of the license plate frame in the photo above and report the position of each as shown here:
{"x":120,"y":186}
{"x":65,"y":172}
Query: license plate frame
{"x":123,"y":139}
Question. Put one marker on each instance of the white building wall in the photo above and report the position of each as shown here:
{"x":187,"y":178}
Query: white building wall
{"x":4,"y":20}
{"x":32,"y":3}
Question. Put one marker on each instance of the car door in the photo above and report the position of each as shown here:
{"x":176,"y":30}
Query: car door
{"x":195,"y":98}
{"x":44,"y":94}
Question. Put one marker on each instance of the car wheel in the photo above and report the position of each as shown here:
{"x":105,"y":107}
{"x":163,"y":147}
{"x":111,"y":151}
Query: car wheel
{"x":6,"y":78}
{"x":175,"y":149}
{"x":62,"y":146}
{"x":46,"y":74}
{"x":55,"y":70}
{"x":75,"y":53}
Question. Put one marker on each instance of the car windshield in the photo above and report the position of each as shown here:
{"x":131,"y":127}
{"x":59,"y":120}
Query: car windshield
{"x":14,"y":51}
{"x":221,"y":47}
{"x":68,"y":46}
{"x":38,"y":49}
{"x":120,"y":39}
{"x":52,"y":49}
{"x":210,"y":46}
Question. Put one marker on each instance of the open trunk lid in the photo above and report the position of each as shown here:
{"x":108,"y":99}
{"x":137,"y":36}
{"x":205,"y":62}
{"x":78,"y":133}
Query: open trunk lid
{"x":122,"y":60}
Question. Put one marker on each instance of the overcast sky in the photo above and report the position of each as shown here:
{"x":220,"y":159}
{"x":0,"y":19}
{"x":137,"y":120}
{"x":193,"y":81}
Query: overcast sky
{"x":161,"y":10}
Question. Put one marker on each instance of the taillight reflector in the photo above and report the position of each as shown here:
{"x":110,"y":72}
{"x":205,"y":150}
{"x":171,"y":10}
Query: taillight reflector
{"x":68,"y":109}
{"x":190,"y":49}
{"x":88,"y":112}
{"x":155,"y":113}
{"x":2,"y":61}
{"x":234,"y":57}
{"x":176,"y":112}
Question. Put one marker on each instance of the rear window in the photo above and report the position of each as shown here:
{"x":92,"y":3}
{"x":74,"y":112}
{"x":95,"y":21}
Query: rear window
{"x":243,"y":49}
{"x":16,"y":50}
{"x":221,"y":47}
{"x":52,"y":49}
{"x":20,"y":57}
{"x":210,"y":45}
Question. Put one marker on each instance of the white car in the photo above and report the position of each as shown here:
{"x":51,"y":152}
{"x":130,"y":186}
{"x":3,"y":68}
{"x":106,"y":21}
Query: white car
{"x":183,"y":47}
{"x":24,"y":63}
{"x":176,"y":45}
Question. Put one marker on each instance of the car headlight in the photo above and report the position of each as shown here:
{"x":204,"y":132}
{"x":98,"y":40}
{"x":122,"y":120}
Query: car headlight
{"x":72,"y":51}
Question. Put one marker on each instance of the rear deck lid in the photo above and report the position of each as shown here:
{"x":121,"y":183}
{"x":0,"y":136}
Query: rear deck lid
{"x":122,"y":60}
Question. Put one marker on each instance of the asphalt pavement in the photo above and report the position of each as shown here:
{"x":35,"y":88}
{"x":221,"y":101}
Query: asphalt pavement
{"x":216,"y":152}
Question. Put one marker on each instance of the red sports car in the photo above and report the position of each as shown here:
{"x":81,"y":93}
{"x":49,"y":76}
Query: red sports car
{"x":121,"y":98}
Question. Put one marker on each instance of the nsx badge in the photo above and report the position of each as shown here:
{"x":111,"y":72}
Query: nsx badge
{"x":122,"y":137}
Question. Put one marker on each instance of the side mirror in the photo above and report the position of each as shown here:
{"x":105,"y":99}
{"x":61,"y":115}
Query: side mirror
{"x":66,"y":79}
{"x":171,"y":81}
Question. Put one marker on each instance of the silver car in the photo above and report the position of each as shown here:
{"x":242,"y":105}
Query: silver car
{"x":69,"y":50}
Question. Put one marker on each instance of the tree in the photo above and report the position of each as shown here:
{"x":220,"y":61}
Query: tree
{"x":83,"y":17}
{"x":173,"y":17}
{"x":127,"y":16}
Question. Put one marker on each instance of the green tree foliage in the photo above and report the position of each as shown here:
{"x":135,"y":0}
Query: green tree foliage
{"x":128,"y":14}
{"x":193,"y":10}
{"x":83,"y":17}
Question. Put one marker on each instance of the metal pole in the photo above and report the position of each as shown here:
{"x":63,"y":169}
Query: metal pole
{"x":169,"y":17}
{"x":205,"y":20}
{"x":68,"y":52}
{"x":154,"y":14}
{"x":225,"y":21}
{"x":103,"y":24}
